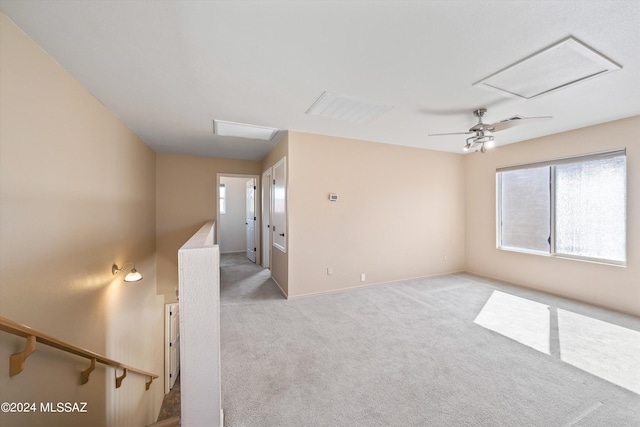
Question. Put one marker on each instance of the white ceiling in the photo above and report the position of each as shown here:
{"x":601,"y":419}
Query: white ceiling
{"x":168,"y":68}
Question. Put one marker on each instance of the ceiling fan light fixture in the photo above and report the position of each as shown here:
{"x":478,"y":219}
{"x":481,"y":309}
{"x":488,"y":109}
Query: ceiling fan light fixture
{"x":483,"y":132}
{"x":483,"y":139}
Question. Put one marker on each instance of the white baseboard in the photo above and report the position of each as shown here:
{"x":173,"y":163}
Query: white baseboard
{"x":366,"y":285}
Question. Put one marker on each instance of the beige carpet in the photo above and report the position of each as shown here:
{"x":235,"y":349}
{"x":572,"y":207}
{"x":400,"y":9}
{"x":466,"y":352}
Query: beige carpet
{"x":454,"y":350}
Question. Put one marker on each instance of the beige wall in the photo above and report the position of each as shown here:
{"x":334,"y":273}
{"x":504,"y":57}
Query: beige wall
{"x":186,"y":198}
{"x":77,"y":194}
{"x":400,"y":212}
{"x":279,"y":259}
{"x":609,"y":286}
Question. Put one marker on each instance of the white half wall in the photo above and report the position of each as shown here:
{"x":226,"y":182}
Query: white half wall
{"x":199,"y":286}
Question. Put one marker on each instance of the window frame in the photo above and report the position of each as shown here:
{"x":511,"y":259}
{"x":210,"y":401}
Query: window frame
{"x":552,"y":214}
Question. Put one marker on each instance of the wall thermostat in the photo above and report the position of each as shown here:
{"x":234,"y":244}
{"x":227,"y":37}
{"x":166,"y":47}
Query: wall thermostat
{"x":333,"y":197}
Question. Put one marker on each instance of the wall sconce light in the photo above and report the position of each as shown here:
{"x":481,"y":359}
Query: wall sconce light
{"x":132,"y":276}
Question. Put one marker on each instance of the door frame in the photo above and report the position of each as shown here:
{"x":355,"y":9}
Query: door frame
{"x":258,"y":211}
{"x":252,"y":239}
{"x":168,"y":309}
{"x":266,"y":217}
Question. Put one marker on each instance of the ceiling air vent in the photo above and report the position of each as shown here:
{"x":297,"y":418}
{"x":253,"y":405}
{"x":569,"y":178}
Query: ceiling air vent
{"x":242,"y":130}
{"x":561,"y":65}
{"x":341,"y":107}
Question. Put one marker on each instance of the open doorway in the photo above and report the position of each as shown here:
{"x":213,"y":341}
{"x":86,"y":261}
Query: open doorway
{"x":238,"y":216}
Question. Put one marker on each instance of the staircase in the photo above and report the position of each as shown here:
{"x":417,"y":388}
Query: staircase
{"x":170,"y":411}
{"x":169,"y":422}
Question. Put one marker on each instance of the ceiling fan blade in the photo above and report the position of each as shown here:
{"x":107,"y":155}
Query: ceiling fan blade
{"x":513,"y":121}
{"x":455,"y":133}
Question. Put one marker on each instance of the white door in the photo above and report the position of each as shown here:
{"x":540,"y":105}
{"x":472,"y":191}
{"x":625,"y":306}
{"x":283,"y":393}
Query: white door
{"x":266,"y":218}
{"x":251,"y":219}
{"x":173,"y":345}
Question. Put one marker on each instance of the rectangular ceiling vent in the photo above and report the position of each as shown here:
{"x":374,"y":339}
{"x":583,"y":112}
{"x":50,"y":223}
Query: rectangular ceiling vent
{"x":340,"y":107}
{"x":561,"y":65}
{"x":242,"y":130}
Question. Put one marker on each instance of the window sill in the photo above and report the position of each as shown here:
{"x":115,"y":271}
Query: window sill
{"x":568,"y":257}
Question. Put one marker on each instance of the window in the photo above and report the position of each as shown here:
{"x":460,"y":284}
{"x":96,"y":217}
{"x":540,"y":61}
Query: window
{"x":526,"y":209}
{"x":572,"y":207}
{"x":223,"y":199}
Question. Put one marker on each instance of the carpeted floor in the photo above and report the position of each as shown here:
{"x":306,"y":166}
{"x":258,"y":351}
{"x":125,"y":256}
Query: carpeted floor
{"x":234,"y":258}
{"x":171,"y":402}
{"x":454,"y":350}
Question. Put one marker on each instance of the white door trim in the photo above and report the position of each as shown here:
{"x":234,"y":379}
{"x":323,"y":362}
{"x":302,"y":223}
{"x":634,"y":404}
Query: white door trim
{"x":252,"y":236}
{"x":266,"y":218}
{"x":172,"y":311}
{"x":257,"y":202}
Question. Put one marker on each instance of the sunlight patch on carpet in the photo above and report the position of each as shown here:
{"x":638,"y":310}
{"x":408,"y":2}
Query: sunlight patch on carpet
{"x":608,"y":351}
{"x":517,"y":318}
{"x":600,"y":348}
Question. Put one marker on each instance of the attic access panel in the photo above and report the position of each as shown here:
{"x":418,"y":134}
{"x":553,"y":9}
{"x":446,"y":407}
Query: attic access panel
{"x":561,"y":65}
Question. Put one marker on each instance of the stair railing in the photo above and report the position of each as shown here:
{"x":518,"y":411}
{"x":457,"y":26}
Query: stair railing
{"x":17,"y":360}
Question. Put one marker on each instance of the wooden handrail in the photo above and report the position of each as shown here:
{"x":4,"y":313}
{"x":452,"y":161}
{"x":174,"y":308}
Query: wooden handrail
{"x":16,"y":361}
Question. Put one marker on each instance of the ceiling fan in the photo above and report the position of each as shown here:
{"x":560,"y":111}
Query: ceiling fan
{"x":483,"y":132}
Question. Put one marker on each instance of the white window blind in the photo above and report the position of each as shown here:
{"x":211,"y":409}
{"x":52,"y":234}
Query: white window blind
{"x":573,"y":207}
